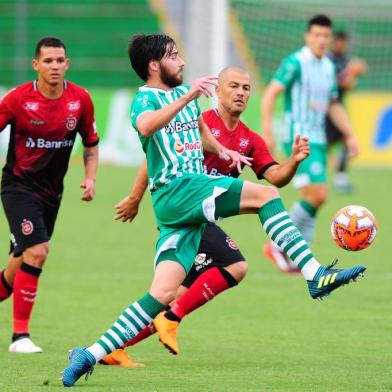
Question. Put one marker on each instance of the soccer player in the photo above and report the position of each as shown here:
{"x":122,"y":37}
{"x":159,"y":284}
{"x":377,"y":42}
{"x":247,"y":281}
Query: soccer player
{"x":308,"y":80}
{"x":347,"y":72}
{"x":166,"y":115}
{"x":219,"y":264}
{"x":45,"y":115}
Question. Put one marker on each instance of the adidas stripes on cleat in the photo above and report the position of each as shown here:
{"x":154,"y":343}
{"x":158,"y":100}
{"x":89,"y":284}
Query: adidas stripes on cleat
{"x":328,"y":279}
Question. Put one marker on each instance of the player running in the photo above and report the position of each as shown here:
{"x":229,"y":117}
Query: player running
{"x":45,"y":115}
{"x":167,"y":117}
{"x":219,"y":264}
{"x":308,"y":80}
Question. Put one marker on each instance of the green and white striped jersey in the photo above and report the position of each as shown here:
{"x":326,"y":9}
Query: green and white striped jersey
{"x":176,"y":149}
{"x":310,"y":85}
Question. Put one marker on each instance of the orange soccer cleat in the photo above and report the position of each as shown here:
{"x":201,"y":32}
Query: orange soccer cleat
{"x":167,"y":331}
{"x":119,"y":358}
{"x":272,"y":252}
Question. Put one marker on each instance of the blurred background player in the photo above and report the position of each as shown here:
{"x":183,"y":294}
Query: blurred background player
{"x":308,"y":80}
{"x":347,"y":72}
{"x":45,"y":115}
{"x":219,"y":264}
{"x":166,"y":115}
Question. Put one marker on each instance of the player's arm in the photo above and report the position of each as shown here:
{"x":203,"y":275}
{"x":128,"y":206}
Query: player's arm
{"x":339,"y":117}
{"x":281,"y":175}
{"x":212,"y":145}
{"x":267,"y":110}
{"x":150,"y":121}
{"x":90,"y":158}
{"x":6,"y":112}
{"x":127,"y":209}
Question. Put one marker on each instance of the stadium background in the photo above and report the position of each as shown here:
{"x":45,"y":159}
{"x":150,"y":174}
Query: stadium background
{"x":97,"y":32}
{"x":266,"y":335}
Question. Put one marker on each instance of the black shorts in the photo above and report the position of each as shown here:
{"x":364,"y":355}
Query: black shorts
{"x":30,"y":219}
{"x":334,"y":134}
{"x":216,"y":249}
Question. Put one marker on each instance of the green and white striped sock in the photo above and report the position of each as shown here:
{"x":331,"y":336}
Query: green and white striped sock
{"x":132,"y":320}
{"x":280,"y":228}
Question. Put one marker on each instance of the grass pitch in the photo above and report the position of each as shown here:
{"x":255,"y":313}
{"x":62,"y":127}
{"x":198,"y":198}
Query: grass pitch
{"x":267,"y":334}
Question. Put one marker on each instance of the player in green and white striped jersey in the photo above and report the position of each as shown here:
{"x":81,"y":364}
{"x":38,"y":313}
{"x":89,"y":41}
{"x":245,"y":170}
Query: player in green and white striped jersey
{"x":167,"y":118}
{"x":307,"y":78}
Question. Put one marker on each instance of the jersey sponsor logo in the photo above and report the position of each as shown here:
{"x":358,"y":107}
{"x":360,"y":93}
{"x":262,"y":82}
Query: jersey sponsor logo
{"x":244,"y":142}
{"x":179,"y":126}
{"x":71,"y":122}
{"x":215,"y":132}
{"x":48,"y":144}
{"x":73,"y":106}
{"x":231,"y":243}
{"x":181,"y":147}
{"x":27,"y":227}
{"x":33,"y":106}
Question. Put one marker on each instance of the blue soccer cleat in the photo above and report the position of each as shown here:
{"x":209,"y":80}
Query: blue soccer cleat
{"x":327,"y":279}
{"x":80,"y":362}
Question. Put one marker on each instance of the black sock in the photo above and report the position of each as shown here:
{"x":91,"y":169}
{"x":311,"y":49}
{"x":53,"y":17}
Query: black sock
{"x":17,"y":336}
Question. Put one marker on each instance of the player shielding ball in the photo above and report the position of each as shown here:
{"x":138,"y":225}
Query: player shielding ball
{"x":167,"y":117}
{"x":45,"y":116}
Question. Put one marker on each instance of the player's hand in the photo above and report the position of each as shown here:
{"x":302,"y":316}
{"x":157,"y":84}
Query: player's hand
{"x":89,"y":189}
{"x":352,"y":145}
{"x":126,"y":209}
{"x":201,"y":87}
{"x":301,"y":148}
{"x":236,"y":158}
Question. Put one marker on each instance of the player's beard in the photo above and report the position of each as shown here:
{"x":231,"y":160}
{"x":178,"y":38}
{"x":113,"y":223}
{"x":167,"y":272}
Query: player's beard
{"x":169,"y":79}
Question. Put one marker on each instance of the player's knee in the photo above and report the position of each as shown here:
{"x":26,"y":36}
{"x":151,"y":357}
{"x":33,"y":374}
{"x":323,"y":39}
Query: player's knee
{"x":238,"y":270}
{"x":257,"y":195}
{"x":36,"y":255}
{"x":165,"y":297}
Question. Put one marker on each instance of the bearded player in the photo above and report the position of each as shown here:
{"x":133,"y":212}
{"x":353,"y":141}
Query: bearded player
{"x":219,"y":264}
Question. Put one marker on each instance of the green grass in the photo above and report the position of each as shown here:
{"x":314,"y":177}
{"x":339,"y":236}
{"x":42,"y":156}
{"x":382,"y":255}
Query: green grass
{"x":264,"y":335}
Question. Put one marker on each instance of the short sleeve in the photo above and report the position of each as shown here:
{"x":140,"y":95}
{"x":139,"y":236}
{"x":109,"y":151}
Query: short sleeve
{"x":7,"y":104}
{"x":87,"y":129}
{"x":288,"y":71}
{"x":262,"y":158}
{"x":143,"y":102}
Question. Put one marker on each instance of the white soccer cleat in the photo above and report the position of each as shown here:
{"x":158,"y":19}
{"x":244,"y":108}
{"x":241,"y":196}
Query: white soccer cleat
{"x":24,"y":346}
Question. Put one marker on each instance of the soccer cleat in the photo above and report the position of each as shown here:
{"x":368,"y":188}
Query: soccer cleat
{"x":167,"y":331}
{"x":80,"y":362}
{"x":24,"y":346}
{"x":119,"y":357}
{"x":328,"y":279}
{"x":272,"y":252}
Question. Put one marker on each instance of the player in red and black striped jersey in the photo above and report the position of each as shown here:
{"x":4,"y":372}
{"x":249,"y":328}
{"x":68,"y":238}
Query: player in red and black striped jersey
{"x":45,"y":116}
{"x":219,"y":264}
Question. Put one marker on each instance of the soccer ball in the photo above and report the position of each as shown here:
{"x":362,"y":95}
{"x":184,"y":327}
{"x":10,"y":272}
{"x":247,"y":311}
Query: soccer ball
{"x":353,"y":228}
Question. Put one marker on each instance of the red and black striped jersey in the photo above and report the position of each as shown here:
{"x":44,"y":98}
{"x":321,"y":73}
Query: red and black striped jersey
{"x":42,"y":135}
{"x":241,"y":139}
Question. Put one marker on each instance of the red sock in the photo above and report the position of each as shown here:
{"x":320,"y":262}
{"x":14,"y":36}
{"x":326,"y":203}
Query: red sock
{"x":143,"y":334}
{"x":5,"y":288}
{"x":204,"y":289}
{"x":25,"y":291}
